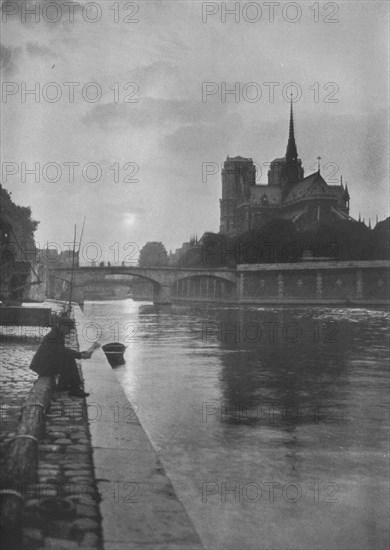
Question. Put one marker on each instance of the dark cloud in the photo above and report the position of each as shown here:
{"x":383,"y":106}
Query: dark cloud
{"x":170,"y":132}
{"x":156,"y":72}
{"x":8,"y":58}
{"x":149,"y":112}
{"x":356,"y":142}
{"x":196,"y":141}
{"x":40,"y":50}
{"x":26,"y":9}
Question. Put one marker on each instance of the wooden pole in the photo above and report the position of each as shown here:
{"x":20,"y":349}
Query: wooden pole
{"x":73,"y":268}
{"x":21,"y":464}
{"x":81,"y":237}
{"x":81,"y":303}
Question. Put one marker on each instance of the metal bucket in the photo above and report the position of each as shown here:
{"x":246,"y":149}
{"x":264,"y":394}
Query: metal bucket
{"x":114,"y":353}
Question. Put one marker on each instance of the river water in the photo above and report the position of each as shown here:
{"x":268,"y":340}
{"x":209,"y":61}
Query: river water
{"x":272,"y":423}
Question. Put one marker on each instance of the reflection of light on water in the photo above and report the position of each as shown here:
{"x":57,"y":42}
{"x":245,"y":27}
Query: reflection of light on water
{"x":131,"y":306}
{"x":132,"y":358}
{"x":171,"y":373}
{"x":353,"y":315}
{"x":117,"y":321}
{"x":127,"y":373}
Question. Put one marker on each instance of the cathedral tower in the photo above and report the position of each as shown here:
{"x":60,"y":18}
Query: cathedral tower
{"x":238,"y":177}
{"x":288,"y":170}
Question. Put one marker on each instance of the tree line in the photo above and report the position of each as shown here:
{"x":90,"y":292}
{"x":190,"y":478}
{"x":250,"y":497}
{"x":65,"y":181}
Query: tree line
{"x":280,"y":241}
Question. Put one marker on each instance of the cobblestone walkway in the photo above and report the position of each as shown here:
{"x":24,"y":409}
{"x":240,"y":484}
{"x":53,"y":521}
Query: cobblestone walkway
{"x":62,"y":510}
{"x":18,"y":345}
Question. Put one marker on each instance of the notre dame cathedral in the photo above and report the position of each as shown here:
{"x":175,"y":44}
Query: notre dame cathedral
{"x":306,"y":201}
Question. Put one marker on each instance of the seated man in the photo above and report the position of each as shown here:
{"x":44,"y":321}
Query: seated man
{"x":52,"y":357}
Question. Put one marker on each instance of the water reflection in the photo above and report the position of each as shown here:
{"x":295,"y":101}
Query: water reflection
{"x":260,"y":399}
{"x":284,"y":368}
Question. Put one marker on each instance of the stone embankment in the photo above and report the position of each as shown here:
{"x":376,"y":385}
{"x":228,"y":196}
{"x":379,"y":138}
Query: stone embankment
{"x":99,"y":484}
{"x":61,"y":510}
{"x":17,"y":349}
{"x":139,"y":506}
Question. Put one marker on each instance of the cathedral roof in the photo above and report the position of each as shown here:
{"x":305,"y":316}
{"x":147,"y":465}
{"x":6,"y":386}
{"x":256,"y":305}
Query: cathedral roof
{"x":239,"y":159}
{"x":313,"y":185}
{"x":340,"y":214}
{"x":272,"y":193}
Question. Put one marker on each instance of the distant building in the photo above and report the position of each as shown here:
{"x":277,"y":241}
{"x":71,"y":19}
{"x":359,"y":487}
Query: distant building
{"x":306,"y":201}
{"x":174,"y":257}
{"x":52,"y":258}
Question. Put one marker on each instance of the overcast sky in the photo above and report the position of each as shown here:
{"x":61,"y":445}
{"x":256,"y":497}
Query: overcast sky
{"x":163,"y":139}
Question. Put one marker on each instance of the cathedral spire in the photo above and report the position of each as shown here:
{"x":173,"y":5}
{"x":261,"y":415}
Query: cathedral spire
{"x":291,"y":151}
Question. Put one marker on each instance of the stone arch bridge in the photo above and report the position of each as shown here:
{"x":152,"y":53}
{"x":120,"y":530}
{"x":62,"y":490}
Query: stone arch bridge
{"x":164,"y":279}
{"x":309,"y":282}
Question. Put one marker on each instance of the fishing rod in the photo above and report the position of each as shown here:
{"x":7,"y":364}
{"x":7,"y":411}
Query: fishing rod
{"x":81,"y":236}
{"x":81,"y":304}
{"x":73,"y":271}
{"x":73,"y":276}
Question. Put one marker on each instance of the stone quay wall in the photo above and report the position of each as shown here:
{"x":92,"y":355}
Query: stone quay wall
{"x":61,"y":508}
{"x":349,"y":283}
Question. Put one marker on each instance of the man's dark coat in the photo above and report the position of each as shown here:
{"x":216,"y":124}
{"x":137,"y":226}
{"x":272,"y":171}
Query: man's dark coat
{"x":52,"y":357}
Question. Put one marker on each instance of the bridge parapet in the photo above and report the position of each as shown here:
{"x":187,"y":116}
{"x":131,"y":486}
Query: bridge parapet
{"x":347,"y":282}
{"x":164,"y":279}
{"x":159,"y":275}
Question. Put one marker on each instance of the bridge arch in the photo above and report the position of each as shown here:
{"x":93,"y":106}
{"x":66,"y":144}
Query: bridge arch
{"x":116,"y":285}
{"x":191,"y":282}
{"x":59,"y":282}
{"x":203,"y":287}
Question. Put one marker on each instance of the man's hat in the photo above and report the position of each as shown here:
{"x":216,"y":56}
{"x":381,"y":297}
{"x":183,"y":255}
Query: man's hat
{"x":66,"y":321}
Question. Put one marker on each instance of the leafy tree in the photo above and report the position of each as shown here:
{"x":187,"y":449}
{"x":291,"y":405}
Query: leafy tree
{"x":280,"y":241}
{"x":276,"y":241}
{"x":213,"y":250}
{"x":381,"y":240}
{"x":153,"y":254}
{"x":191,"y":257}
{"x":343,"y":240}
{"x":17,"y":230}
